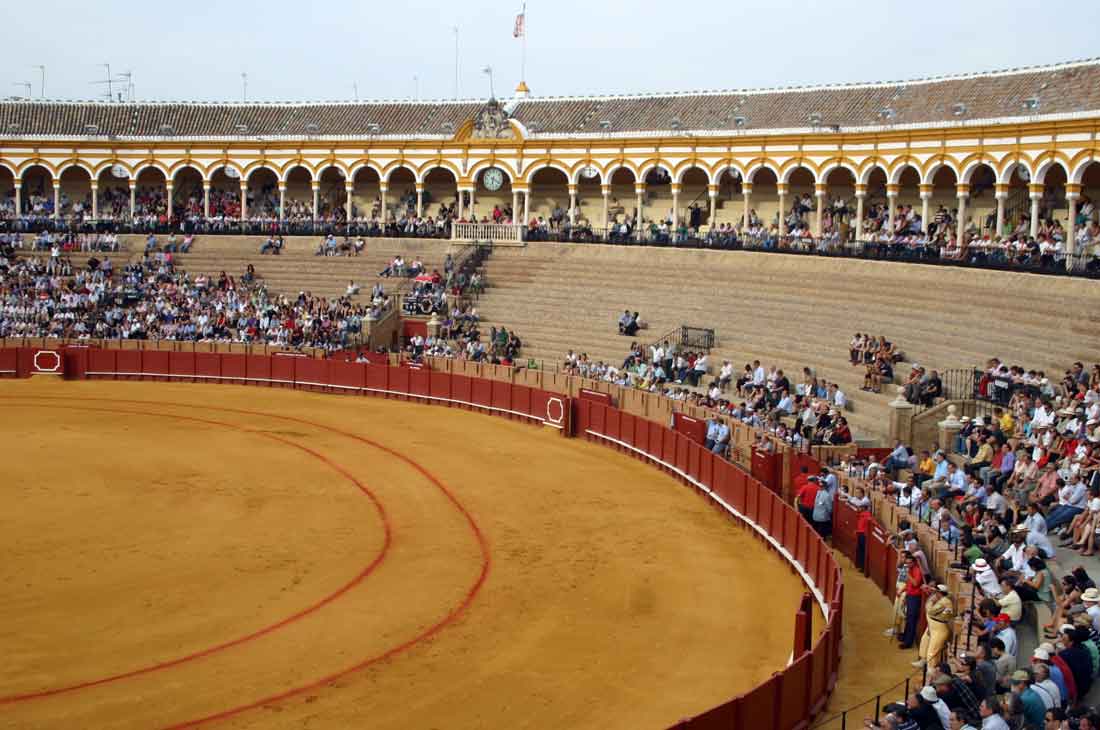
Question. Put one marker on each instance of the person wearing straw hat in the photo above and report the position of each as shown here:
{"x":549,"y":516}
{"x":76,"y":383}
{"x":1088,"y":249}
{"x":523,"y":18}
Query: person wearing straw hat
{"x":1091,"y":599}
{"x":939,"y":613}
{"x":1033,"y":709}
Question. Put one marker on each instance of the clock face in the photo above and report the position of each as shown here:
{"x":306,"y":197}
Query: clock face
{"x":493,"y":178}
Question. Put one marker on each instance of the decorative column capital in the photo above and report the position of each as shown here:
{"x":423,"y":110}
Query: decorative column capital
{"x":746,"y":188}
{"x":962,"y":190}
{"x":1036,"y":190}
{"x":420,"y":187}
{"x":712,"y":191}
{"x":820,"y":189}
{"x":605,"y":190}
{"x":892,"y":190}
{"x":315,"y":185}
{"x":861,"y":190}
{"x":349,"y":186}
{"x":925,"y":194}
{"x":1073,"y":189}
{"x":781,"y":188}
{"x":573,"y":188}
{"x":639,"y":188}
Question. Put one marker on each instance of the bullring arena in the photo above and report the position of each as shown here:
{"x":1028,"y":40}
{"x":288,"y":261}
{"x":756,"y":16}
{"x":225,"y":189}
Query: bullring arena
{"x":317,"y":415}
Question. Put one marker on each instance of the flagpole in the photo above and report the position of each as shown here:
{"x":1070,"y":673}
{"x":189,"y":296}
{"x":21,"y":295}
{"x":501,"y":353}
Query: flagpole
{"x":523,"y":57}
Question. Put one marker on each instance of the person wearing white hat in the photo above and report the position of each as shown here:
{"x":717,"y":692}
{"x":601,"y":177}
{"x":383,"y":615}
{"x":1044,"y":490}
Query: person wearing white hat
{"x":986,"y":578}
{"x":931,"y":697}
{"x":1091,"y":599}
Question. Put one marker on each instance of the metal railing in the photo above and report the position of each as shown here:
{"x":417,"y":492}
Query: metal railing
{"x":226,"y":227}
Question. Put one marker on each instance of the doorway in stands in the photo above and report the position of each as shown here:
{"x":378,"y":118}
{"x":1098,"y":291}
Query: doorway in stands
{"x":331,"y":195}
{"x":550,"y":196}
{"x":187,"y":191}
{"x":263,"y":193}
{"x":693,"y":203}
{"x":440,"y":189}
{"x":37,"y":191}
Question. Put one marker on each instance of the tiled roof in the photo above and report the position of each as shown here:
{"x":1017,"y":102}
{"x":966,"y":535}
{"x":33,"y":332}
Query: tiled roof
{"x":1022,"y":93}
{"x":1066,"y":89}
{"x":232,"y":120}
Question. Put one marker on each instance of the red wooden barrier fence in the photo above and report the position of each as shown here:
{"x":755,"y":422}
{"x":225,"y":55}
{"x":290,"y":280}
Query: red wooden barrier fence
{"x":789,"y":700}
{"x":786,"y":701}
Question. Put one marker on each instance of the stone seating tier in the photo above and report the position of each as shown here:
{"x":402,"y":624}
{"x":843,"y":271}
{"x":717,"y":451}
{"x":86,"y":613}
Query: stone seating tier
{"x":789,"y":310}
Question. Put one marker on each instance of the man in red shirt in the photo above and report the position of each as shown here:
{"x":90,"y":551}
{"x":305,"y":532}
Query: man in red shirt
{"x":914,"y":581}
{"x":806,"y":494}
{"x":863,"y":523}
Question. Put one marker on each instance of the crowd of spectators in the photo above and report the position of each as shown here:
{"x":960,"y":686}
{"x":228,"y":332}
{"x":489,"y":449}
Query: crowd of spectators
{"x":153,"y":300}
{"x":808,"y":412}
{"x":1012,"y":486}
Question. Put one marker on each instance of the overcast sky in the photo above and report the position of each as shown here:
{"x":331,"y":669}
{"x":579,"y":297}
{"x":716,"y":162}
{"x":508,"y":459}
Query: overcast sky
{"x":304,"y":50}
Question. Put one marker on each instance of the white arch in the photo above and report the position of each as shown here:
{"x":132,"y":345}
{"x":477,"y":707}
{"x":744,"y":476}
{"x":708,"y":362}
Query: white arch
{"x":750,"y":174}
{"x":894,"y":176}
{"x":361,"y":165}
{"x":10,"y":168}
{"x":253,"y":169}
{"x":865,"y":177}
{"x":540,"y":165}
{"x":339,"y":167}
{"x":401,"y":166}
{"x":973,"y":165}
{"x":940,"y":164}
{"x":1079,"y":171}
{"x":785,"y":179}
{"x":644,"y":172}
{"x":837,"y":165}
{"x":1038,"y":175}
{"x":679,"y":177}
{"x":728,"y":167}
{"x":284,"y":175}
{"x":504,"y":167}
{"x":78,"y":164}
{"x":202,"y":173}
{"x":214,"y":167}
{"x":609,"y":172}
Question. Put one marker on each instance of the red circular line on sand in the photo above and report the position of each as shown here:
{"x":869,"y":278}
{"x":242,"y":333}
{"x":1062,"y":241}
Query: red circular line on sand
{"x":297,"y":616}
{"x":431,"y":631}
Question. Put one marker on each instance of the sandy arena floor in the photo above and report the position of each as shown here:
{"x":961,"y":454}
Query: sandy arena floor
{"x":262,"y":558}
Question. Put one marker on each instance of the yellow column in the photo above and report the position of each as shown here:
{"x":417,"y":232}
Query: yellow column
{"x":781,"y":188}
{"x":1073,"y":192}
{"x":168,"y":198}
{"x":95,"y":200}
{"x":244,"y":199}
{"x":892,"y":191}
{"x":133,"y":197}
{"x":349,"y":187}
{"x":861,"y":196}
{"x":316,"y":187}
{"x":820,"y":190}
{"x":572,"y":204}
{"x":205,"y":199}
{"x":712,"y":193}
{"x":420,"y":200}
{"x":383,"y":188}
{"x":962,"y":193}
{"x":639,"y":193}
{"x":1001,"y":193}
{"x":746,"y":193}
{"x":605,"y":191}
{"x":282,"y":199}
{"x":925,"y":197}
{"x":1035,"y":191}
